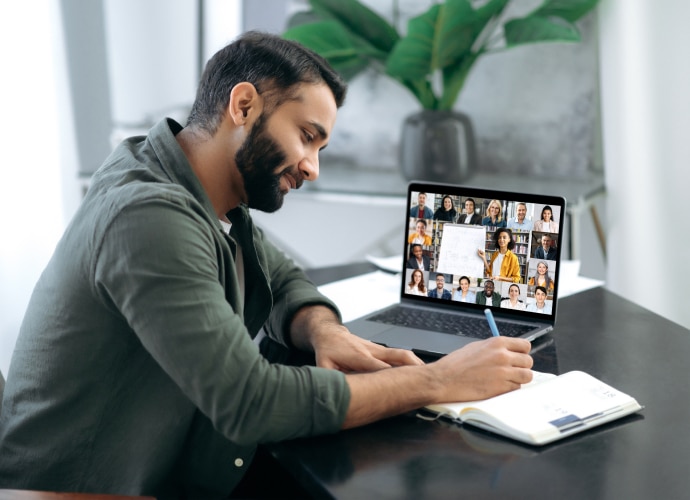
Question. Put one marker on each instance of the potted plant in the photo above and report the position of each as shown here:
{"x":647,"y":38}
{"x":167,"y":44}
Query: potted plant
{"x":432,"y":60}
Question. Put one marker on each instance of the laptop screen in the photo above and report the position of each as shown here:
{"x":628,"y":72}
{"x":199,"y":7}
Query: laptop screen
{"x":475,"y":248}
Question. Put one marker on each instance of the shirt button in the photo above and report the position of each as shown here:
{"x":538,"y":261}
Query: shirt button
{"x":239,"y":462}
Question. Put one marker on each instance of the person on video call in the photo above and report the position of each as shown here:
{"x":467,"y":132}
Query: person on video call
{"x":513,"y":300}
{"x":418,"y":260}
{"x":542,"y":278}
{"x":416,"y":285}
{"x":135,"y":371}
{"x":440,"y":292}
{"x":463,"y":293}
{"x":504,"y":264}
{"x":420,"y":210}
{"x":446,"y":212}
{"x":546,"y":223}
{"x":545,"y":251}
{"x":420,"y":237}
{"x":494,"y":215}
{"x":469,"y":216}
{"x":520,"y":221}
{"x":488,"y":296}
{"x":541,"y":305}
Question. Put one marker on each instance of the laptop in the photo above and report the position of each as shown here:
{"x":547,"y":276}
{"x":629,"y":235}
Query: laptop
{"x":445,"y":283}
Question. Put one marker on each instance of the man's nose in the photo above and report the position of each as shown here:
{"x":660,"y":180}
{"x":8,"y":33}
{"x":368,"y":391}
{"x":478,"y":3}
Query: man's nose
{"x":309,"y":167}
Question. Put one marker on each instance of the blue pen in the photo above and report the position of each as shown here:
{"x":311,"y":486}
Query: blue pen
{"x":492,"y":322}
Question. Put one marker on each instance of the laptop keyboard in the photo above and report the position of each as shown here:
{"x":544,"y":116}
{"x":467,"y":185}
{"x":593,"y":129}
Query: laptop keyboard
{"x":447,"y":323}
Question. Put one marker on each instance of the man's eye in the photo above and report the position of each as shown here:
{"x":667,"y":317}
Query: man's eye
{"x":308,"y":136}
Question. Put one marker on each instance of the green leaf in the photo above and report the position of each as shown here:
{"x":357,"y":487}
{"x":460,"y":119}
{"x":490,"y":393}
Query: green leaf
{"x":570,"y":10}
{"x":411,"y":58}
{"x":533,"y":29}
{"x":333,"y":42}
{"x":360,"y":20}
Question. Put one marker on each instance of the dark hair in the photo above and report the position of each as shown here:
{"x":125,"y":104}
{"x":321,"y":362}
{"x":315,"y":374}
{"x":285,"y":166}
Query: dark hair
{"x":540,"y":288}
{"x":514,"y":285}
{"x":474,"y":205}
{"x":420,"y":220}
{"x":463,"y":278}
{"x":274,"y":66}
{"x":511,"y":243}
{"x":546,"y":207}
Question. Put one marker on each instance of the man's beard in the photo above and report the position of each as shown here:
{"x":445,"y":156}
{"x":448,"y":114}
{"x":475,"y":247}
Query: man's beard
{"x":257,"y":160}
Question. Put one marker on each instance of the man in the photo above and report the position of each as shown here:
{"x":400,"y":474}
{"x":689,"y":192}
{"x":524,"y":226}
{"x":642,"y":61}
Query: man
{"x":545,"y":251}
{"x":488,"y":295}
{"x":135,"y":371}
{"x":440,"y":292}
{"x":420,"y":210}
{"x":469,"y":216}
{"x":520,"y":221}
{"x":418,"y":259}
{"x":420,"y":237}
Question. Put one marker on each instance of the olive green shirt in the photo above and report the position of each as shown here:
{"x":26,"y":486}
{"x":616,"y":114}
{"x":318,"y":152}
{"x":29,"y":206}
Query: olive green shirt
{"x":135,"y":371}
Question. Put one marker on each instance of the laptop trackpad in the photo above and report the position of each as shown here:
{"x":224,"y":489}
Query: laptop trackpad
{"x":409,"y":338}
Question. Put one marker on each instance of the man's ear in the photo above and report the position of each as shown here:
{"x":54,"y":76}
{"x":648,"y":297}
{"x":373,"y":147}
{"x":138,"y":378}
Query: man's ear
{"x":245,"y":103}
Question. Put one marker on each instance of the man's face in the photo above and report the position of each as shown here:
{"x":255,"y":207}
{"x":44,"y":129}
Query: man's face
{"x":488,"y":288}
{"x":546,"y":242}
{"x":469,"y":207}
{"x":540,"y":296}
{"x":440,"y":281}
{"x":282,"y":148}
{"x":421,"y":199}
{"x":521,"y":212}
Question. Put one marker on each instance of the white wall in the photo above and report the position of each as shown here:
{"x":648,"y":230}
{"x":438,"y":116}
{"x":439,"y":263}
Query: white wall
{"x":645,"y":71}
{"x":30,"y":190}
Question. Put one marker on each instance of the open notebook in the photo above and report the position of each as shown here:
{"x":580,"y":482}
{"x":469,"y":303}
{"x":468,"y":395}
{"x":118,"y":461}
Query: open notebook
{"x":466,"y":249}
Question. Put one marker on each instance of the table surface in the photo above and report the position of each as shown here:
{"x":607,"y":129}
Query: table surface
{"x":643,"y":456}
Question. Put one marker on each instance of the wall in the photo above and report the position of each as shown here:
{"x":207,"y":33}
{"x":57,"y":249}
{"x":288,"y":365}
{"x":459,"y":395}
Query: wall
{"x":646,"y":109}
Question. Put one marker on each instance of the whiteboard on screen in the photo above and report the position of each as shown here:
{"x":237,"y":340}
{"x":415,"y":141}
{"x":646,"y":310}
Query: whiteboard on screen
{"x":458,"y":253}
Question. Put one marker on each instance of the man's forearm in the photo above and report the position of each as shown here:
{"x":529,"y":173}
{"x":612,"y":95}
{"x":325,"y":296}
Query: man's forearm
{"x":309,"y":322}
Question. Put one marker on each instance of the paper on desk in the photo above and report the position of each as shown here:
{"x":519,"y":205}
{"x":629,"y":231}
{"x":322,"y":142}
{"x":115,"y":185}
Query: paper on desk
{"x":363,"y":294}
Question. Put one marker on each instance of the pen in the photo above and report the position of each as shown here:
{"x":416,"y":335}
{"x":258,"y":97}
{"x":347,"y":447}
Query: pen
{"x":492,"y":322}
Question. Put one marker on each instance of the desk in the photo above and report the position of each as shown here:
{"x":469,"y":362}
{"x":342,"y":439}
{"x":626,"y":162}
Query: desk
{"x":639,"y":457}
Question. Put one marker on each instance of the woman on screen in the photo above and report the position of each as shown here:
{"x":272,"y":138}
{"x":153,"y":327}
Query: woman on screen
{"x":446,"y":212}
{"x":494,"y":215}
{"x":542,"y":277}
{"x":513,"y":301}
{"x":546,"y":223}
{"x":463,"y":294}
{"x":504,"y":265}
{"x":416,"y":285}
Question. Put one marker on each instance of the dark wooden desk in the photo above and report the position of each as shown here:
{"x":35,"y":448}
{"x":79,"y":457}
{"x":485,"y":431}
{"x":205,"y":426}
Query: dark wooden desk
{"x":642,"y":456}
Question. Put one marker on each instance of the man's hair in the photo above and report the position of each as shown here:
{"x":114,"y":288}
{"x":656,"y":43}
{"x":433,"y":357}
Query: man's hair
{"x":274,"y":66}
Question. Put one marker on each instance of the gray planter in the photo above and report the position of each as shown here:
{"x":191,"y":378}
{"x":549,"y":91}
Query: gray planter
{"x":437,"y":146}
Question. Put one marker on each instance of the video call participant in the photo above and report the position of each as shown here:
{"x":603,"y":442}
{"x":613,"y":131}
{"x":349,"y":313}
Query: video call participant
{"x":416,"y":285}
{"x":469,"y":216}
{"x":542,"y":278}
{"x":418,"y":260}
{"x":494,"y":215}
{"x":504,"y":264}
{"x":463,"y":293}
{"x":545,"y":251}
{"x":440,"y":292}
{"x":541,"y":305}
{"x":520,"y":221}
{"x":546,"y":223}
{"x":420,"y":236}
{"x":513,"y":301}
{"x":446,"y":212}
{"x":488,"y":296}
{"x":420,"y":210}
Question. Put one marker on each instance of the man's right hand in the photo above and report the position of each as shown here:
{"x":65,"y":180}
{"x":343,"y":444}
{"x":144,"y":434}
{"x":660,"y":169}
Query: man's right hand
{"x":479,"y":370}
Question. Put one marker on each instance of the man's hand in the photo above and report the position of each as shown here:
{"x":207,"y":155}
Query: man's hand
{"x":317,"y":328}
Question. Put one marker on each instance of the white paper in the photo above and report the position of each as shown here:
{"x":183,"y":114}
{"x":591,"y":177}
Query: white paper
{"x":458,"y":253}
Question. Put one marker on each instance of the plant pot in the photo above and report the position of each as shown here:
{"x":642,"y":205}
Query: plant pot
{"x":437,"y":146}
